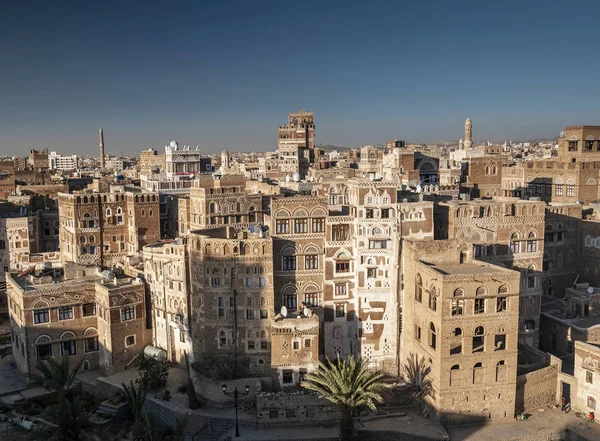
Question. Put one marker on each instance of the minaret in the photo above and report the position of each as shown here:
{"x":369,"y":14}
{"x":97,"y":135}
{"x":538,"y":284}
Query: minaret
{"x":102,"y":164}
{"x":468,"y":134}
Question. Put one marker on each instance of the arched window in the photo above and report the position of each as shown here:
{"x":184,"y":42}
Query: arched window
{"x":419,"y":288}
{"x":252,"y":214}
{"x":249,"y":301}
{"x":530,"y":276}
{"x":454,"y":374}
{"x":500,"y":371}
{"x":457,"y":332}
{"x":479,"y":339}
{"x":514,"y":243}
{"x":478,"y":373}
{"x":222,"y":339}
{"x":108,"y":212}
{"x":432,"y":336}
{"x":479,"y":304}
{"x":531,"y":243}
{"x":503,"y":290}
{"x":432,"y":298}
{"x":212,"y":208}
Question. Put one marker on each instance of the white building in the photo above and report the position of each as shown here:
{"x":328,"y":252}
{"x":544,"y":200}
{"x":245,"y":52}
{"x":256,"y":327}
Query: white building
{"x":59,"y":162}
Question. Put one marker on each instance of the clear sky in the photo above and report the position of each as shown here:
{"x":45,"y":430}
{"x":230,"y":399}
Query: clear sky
{"x":224,"y":74}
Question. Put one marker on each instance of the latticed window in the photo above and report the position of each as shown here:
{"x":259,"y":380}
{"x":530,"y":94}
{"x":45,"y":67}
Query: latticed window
{"x":127,"y":313}
{"x":290,"y":301}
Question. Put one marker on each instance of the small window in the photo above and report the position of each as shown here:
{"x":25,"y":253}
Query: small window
{"x":589,"y":377}
{"x":288,"y":377}
{"x":591,"y":403}
{"x":89,"y":309}
{"x":340,"y":310}
{"x":296,"y":345}
{"x":308,"y":343}
{"x":91,"y":344}
{"x":129,"y":341}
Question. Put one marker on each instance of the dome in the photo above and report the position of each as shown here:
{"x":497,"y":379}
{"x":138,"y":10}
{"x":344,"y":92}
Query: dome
{"x":225,"y":152}
{"x":173,"y":144}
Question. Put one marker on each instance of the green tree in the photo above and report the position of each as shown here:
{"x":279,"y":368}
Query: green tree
{"x":57,"y":376}
{"x":348,"y":384}
{"x":135,"y":394}
{"x":417,"y":373}
{"x":153,"y":372}
{"x":67,"y":412}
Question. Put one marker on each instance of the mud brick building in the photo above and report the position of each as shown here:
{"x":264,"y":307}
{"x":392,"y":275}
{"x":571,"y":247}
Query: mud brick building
{"x":103,"y":228}
{"x":461,"y":319}
{"x":507,"y":232}
{"x":82,"y":315}
{"x":232,"y":289}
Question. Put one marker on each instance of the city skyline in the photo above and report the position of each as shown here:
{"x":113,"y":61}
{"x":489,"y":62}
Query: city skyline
{"x":216,"y":76}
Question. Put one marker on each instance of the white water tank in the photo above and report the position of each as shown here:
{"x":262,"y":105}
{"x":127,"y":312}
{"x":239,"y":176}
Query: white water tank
{"x":156,"y":353}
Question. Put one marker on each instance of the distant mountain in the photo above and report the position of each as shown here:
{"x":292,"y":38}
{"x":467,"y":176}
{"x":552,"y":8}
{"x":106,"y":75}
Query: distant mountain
{"x":331,"y":148}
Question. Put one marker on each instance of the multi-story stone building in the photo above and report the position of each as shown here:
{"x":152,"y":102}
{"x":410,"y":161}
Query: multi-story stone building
{"x":460,"y":320}
{"x":7,"y":178}
{"x":561,"y":250}
{"x":184,"y":162}
{"x":507,"y":232}
{"x":575,"y":317}
{"x":151,"y":162}
{"x":232,"y":289}
{"x":38,"y":160}
{"x":166,"y":267}
{"x":579,"y":144}
{"x":220,"y":201}
{"x":587,"y":377}
{"x":295,"y":145}
{"x":294,"y":347}
{"x":83,"y":315}
{"x":102,"y":228}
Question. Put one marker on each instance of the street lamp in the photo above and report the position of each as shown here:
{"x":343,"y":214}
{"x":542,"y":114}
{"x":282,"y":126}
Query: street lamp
{"x":236,"y":394}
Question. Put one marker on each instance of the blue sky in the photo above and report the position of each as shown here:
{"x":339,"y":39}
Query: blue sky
{"x":224,"y":74}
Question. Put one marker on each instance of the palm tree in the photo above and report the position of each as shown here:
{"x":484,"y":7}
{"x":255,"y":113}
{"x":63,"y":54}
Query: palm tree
{"x":57,"y":376}
{"x":417,"y":373}
{"x":135,"y":394}
{"x":348,"y":384}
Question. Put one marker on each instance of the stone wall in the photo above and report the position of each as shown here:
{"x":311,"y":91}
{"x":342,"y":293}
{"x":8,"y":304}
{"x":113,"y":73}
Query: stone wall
{"x":538,"y":388}
{"x":212,"y":392}
{"x":294,"y":408}
{"x":366,"y":435}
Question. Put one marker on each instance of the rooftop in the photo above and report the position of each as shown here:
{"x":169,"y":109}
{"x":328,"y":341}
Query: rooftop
{"x":466,"y":268}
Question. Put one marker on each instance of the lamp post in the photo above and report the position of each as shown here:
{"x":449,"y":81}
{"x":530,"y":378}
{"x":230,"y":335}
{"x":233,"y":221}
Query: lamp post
{"x":236,"y":394}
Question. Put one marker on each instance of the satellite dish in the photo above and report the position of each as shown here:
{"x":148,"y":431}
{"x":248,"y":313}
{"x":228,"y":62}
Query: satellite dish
{"x":307,"y":312}
{"x":590,"y":290}
{"x":284,"y":311}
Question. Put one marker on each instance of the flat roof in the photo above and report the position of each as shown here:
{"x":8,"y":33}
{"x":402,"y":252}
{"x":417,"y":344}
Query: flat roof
{"x":26,"y":285}
{"x":466,"y":268}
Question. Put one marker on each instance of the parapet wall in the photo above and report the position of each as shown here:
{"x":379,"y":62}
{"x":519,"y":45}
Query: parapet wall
{"x":538,"y":388}
{"x":294,"y":408}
